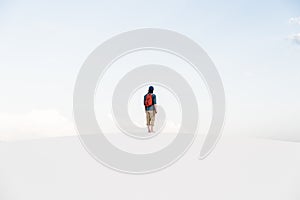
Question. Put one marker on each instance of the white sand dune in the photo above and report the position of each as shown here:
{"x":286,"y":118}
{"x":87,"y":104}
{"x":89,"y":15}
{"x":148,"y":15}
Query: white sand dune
{"x":60,"y":168}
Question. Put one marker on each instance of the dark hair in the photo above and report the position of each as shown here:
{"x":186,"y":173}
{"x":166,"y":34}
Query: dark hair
{"x":151,"y":88}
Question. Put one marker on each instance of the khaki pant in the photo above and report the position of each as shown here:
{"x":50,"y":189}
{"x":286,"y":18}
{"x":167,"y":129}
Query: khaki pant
{"x":150,"y":117}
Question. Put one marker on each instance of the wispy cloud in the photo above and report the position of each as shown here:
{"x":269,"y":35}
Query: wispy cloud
{"x":34,"y":125}
{"x":294,"y":20}
{"x":295,"y":38}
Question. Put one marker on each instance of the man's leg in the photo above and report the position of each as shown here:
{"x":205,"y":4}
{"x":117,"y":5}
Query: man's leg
{"x":152,"y":120}
{"x":148,"y":121}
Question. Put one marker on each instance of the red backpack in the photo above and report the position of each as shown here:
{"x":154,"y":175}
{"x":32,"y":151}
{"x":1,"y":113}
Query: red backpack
{"x":148,"y":100}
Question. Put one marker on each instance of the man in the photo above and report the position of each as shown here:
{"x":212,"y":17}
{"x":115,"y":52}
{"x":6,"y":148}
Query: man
{"x":150,"y":108}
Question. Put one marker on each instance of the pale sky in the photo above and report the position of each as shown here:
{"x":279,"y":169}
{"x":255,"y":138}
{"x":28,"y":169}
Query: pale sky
{"x":255,"y":45}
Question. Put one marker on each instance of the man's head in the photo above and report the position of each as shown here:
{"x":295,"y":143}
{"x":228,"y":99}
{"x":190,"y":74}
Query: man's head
{"x":151,"y":88}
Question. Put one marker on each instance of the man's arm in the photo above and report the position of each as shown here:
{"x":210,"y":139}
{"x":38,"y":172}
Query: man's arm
{"x":154,"y":104}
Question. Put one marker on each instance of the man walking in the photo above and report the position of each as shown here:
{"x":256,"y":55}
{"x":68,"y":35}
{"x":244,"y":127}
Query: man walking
{"x":150,"y":108}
